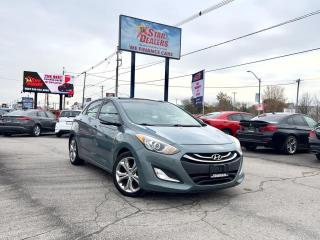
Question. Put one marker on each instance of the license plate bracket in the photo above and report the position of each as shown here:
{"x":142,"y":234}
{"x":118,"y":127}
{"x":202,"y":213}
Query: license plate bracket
{"x":219,"y":170}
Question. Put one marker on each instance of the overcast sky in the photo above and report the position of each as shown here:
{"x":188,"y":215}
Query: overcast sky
{"x":44,"y":36}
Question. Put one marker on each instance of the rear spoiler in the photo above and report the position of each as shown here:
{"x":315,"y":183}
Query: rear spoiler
{"x":253,"y":123}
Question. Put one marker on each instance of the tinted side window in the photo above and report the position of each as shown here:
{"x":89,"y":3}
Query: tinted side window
{"x":247,"y":116}
{"x":50,"y":115}
{"x":93,"y":109}
{"x":108,"y":109}
{"x":290,"y":121}
{"x":310,"y":122}
{"x":42,"y":115}
{"x":299,"y":121}
{"x":235,"y":117}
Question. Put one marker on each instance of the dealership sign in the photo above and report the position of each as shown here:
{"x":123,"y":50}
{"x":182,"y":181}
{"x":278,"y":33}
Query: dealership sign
{"x":27,"y":103}
{"x":197,"y":86}
{"x":141,"y":36}
{"x":48,"y":83}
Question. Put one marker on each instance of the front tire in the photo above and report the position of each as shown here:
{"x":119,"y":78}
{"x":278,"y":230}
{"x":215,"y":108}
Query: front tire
{"x":318,"y":156}
{"x":290,"y":145}
{"x":58,"y":134}
{"x":125,"y":175}
{"x":36,"y":131}
{"x":73,"y":152}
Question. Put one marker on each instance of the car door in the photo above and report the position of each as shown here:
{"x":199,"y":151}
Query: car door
{"x":87,"y":130}
{"x":105,"y":138}
{"x":51,"y":120}
{"x":302,"y":130}
{"x":44,"y":121}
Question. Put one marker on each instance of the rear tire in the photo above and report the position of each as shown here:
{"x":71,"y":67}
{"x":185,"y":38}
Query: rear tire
{"x":251,"y":147}
{"x":318,"y":156}
{"x":36,"y":130}
{"x":290,"y":145}
{"x":125,"y":175}
{"x":73,"y":152}
{"x":58,"y":134}
{"x":7,"y":134}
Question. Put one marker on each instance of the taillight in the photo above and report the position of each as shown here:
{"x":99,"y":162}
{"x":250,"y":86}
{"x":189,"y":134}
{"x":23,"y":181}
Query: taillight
{"x":269,"y":128}
{"x":312,"y":134}
{"x":24,"y":118}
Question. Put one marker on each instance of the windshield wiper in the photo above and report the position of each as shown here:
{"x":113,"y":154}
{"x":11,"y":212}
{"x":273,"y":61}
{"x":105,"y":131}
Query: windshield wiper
{"x":185,"y":125}
{"x":146,"y":124}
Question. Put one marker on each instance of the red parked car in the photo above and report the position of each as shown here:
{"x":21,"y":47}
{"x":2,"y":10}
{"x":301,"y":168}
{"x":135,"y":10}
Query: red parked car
{"x":228,"y":122}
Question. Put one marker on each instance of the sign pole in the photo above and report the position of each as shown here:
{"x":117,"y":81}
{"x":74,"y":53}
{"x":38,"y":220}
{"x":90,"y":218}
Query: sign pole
{"x":84,"y":88}
{"x":133,"y":73}
{"x":166,"y":80}
{"x":60,"y":101}
{"x":35,"y":100}
{"x":117,"y":74}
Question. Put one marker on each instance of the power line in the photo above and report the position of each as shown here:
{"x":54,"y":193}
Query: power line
{"x":189,"y":19}
{"x":241,"y":64}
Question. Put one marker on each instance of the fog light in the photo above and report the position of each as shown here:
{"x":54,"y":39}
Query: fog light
{"x":163,"y":176}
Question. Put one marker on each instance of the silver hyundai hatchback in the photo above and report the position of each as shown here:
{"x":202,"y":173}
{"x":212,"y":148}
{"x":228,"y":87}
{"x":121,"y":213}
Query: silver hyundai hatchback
{"x":154,"y":146}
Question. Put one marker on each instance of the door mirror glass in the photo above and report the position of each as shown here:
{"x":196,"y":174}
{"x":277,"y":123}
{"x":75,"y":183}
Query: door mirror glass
{"x":109,"y":114}
{"x":110,"y":120}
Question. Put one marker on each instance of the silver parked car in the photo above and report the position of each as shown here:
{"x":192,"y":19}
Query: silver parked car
{"x":154,"y":146}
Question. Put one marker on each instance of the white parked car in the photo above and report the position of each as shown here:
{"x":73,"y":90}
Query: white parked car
{"x":65,"y":120}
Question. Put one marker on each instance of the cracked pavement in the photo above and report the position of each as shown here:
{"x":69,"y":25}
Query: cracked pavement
{"x":42,"y":196}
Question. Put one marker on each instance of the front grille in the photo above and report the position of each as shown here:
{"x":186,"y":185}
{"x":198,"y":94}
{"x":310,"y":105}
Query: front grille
{"x":211,"y":157}
{"x":200,"y":168}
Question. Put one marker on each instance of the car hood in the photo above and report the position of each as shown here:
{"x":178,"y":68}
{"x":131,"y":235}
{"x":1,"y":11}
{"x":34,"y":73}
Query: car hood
{"x":191,"y":135}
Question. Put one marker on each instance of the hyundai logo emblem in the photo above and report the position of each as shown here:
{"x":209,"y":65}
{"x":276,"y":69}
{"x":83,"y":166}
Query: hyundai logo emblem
{"x":216,"y":157}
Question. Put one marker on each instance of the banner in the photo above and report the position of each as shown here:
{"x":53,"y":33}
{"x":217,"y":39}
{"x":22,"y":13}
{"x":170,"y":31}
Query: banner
{"x":137,"y":35}
{"x":197,"y":86}
{"x":48,"y":83}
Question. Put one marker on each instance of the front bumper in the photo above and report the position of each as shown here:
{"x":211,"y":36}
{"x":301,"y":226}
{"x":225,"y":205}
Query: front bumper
{"x":187,"y":173}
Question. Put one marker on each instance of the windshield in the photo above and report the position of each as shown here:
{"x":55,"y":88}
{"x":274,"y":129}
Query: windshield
{"x":271,"y":118}
{"x":211,"y":115}
{"x":69,"y":113}
{"x":157,"y":114}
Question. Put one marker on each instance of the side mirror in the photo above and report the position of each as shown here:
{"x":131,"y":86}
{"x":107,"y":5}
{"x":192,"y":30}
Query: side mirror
{"x":110,"y":120}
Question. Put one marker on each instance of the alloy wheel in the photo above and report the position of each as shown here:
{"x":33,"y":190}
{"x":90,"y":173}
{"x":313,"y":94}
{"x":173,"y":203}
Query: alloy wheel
{"x":73,"y":150}
{"x":127,"y":175}
{"x":291,"y":145}
{"x":36,"y":130}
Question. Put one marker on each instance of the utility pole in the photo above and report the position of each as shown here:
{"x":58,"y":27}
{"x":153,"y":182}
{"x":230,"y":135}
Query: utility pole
{"x":234,"y":100}
{"x":117,"y":73}
{"x":102,"y":91}
{"x":297,"y":100}
{"x":64,"y":96}
{"x":84,"y":88}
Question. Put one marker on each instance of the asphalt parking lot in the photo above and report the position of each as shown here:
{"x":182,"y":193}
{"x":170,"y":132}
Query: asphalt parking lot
{"x":42,"y":196}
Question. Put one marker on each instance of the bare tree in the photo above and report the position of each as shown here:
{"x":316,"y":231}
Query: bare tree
{"x":224,"y":102}
{"x":305,"y":104}
{"x":274,"y":99}
{"x":315,"y":114}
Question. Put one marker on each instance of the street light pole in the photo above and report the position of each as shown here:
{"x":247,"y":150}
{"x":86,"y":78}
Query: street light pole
{"x":259,"y":79}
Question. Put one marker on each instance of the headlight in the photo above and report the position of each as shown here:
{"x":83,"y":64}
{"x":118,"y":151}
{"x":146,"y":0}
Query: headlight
{"x":238,"y":145}
{"x":156,"y":145}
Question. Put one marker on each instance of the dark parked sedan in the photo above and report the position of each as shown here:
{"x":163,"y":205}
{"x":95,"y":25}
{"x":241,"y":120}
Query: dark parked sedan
{"x":314,"y":141}
{"x":283,"y":131}
{"x":32,"y":122}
